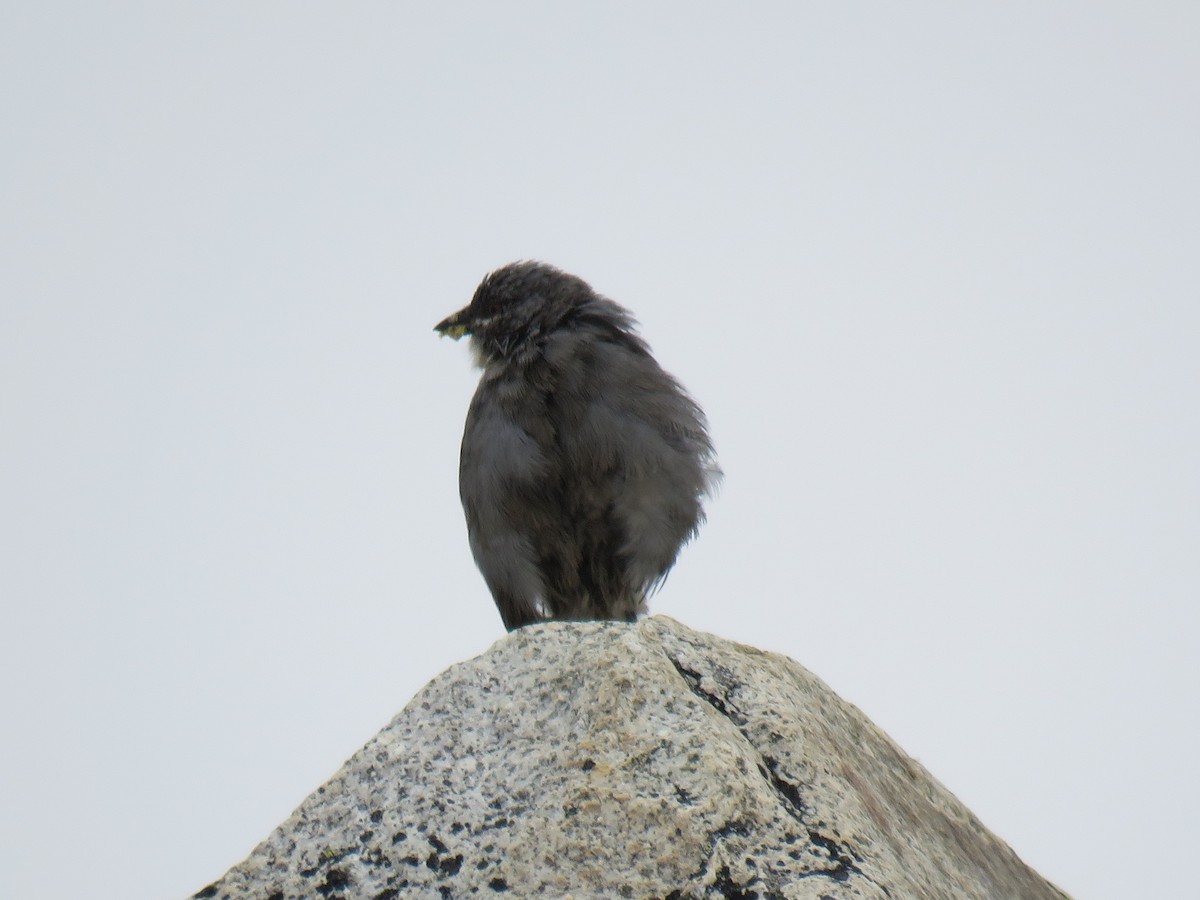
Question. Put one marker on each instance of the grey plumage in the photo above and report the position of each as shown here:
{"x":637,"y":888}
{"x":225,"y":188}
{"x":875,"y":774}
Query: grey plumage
{"x":584,"y":465}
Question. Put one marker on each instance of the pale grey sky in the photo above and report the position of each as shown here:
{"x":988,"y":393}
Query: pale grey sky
{"x":932,"y":269}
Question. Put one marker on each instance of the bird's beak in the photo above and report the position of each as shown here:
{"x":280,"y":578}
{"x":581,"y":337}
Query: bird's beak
{"x":453,"y":325}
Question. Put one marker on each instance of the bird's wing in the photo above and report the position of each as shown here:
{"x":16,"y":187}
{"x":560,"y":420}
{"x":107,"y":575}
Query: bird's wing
{"x":503,"y":472}
{"x":642,"y":426}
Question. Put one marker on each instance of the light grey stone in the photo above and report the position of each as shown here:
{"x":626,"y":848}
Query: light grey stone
{"x":614,"y":760}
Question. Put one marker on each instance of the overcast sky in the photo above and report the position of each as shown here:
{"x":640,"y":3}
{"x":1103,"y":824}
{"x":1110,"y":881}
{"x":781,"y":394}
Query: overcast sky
{"x":933,"y":270}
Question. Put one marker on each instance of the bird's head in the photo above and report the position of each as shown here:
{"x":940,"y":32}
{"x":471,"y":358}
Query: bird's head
{"x":514,"y":306}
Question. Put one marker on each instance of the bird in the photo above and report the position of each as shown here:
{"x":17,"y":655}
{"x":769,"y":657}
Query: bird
{"x":584,"y":467}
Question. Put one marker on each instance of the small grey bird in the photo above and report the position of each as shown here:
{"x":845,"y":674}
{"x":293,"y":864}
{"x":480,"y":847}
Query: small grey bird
{"x":584,"y":465}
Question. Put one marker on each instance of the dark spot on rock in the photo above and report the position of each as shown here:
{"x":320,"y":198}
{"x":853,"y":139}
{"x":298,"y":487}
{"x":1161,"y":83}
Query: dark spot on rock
{"x":335,"y":880}
{"x":730,"y":889}
{"x":769,"y":769}
{"x":366,"y":836}
{"x":588,"y":765}
{"x":737,"y":826}
{"x":845,"y":866}
{"x":398,"y":837}
{"x":377,"y":816}
{"x":387,"y":894}
{"x":695,"y":682}
{"x":451,"y":864}
{"x":210,"y":891}
{"x":376,"y":857}
{"x":436,"y":844}
{"x":499,"y":885}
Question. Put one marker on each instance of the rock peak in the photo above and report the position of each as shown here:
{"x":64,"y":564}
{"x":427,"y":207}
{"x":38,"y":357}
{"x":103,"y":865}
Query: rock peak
{"x":606,"y":759}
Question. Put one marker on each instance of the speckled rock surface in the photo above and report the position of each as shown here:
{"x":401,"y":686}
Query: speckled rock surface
{"x":613,"y":760}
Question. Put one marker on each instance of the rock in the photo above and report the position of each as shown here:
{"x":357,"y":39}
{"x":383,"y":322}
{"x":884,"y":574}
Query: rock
{"x":604,"y":759}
